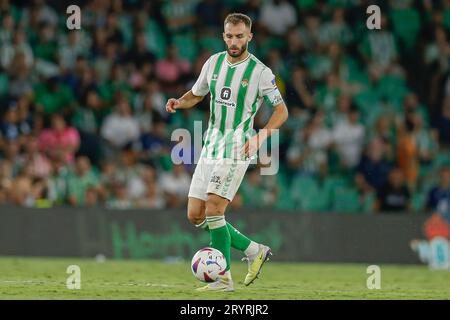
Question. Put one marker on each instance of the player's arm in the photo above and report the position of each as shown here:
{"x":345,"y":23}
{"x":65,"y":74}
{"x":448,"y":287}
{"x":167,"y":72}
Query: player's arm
{"x":279,"y":116}
{"x":272,"y":95}
{"x":188,"y":100}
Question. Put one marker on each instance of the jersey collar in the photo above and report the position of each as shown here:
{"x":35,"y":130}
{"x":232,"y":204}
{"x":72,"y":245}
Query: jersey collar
{"x":237,"y":63}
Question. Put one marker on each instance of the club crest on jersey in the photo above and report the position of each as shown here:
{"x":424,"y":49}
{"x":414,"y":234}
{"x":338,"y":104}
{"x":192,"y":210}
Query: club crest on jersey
{"x":244,"y":83}
{"x":225,"y":93}
{"x":214,"y":77}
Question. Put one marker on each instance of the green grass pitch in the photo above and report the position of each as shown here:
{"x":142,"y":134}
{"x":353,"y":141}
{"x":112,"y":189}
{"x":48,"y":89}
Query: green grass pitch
{"x":45,"y":278}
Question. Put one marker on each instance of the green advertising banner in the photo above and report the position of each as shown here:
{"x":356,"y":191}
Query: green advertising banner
{"x":140,"y":234}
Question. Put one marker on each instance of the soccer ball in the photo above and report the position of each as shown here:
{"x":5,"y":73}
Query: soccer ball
{"x":207,"y":264}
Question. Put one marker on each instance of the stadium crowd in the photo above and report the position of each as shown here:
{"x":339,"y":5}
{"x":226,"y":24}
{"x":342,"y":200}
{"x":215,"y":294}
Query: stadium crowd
{"x":83,"y":120}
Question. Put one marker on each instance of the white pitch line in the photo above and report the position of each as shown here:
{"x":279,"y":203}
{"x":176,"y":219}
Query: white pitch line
{"x":353,"y":292}
{"x":107,"y":284}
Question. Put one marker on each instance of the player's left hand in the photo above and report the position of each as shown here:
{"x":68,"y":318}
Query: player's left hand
{"x":252,"y":146}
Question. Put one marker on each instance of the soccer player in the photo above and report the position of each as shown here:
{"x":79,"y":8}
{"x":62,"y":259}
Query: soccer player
{"x":238,"y":83}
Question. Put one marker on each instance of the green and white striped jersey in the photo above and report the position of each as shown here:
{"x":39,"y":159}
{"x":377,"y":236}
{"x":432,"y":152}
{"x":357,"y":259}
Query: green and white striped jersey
{"x":237,"y":91}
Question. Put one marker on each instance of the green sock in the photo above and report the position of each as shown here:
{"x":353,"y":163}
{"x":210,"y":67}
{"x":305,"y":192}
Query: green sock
{"x":220,"y":236}
{"x":238,"y":240}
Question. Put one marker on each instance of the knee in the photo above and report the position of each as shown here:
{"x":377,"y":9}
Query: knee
{"x":213,"y":207}
{"x":195,"y":216}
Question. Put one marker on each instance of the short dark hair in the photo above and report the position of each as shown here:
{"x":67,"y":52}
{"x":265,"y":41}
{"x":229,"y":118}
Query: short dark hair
{"x":235,"y":18}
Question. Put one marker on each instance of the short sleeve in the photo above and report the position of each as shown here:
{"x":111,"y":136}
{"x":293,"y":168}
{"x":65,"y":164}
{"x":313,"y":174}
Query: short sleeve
{"x":201,"y":87}
{"x":268,"y":88}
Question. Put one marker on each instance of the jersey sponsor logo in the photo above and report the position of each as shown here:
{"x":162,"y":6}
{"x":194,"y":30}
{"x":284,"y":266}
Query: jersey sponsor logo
{"x":225,"y":93}
{"x":226,"y":103}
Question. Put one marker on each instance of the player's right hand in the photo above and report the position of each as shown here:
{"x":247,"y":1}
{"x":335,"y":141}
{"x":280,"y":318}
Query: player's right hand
{"x":171,"y":105}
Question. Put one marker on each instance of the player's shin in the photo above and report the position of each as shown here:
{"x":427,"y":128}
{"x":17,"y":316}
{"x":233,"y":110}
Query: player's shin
{"x":239,"y":241}
{"x":220,"y":236}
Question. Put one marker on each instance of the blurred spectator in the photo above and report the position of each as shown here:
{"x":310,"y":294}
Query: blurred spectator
{"x":437,"y":54}
{"x":108,"y":177}
{"x":179,"y":14}
{"x":46,"y":50}
{"x":20,"y":83}
{"x":310,"y":31}
{"x":407,"y":150}
{"x":72,"y":46}
{"x":9,"y":126}
{"x":277,"y":64}
{"x":153,"y":198}
{"x":171,"y":71}
{"x":443,"y":124}
{"x":11,"y":152}
{"x":120,"y":129}
{"x":139,"y":54}
{"x":147,"y":115}
{"x":6,"y":179}
{"x":44,"y":12}
{"x":40,"y":164}
{"x":21,"y":188}
{"x":380,"y":50}
{"x":119,"y":199}
{"x":384,"y":129}
{"x":209,"y":14}
{"x":373,"y":168}
{"x":92,"y":198}
{"x":82,"y":178}
{"x":348,"y":137}
{"x":175,"y":185}
{"x":341,"y":114}
{"x":394,"y":196}
{"x":59,"y":139}
{"x":251,"y":8}
{"x":427,"y":142}
{"x":440,"y":191}
{"x":157,"y":98}
{"x":18,"y":46}
{"x":278,"y":16}
{"x":24,"y":116}
{"x":256,"y":192}
{"x":336,"y":30}
{"x":308,"y":152}
{"x":130,"y":174}
{"x":411,"y":104}
{"x":84,"y":117}
{"x":296,"y":53}
{"x":113,"y":31}
{"x":155,"y":143}
{"x":39,"y":194}
{"x":7,"y":29}
{"x":86,"y":83}
{"x":53,"y":96}
{"x":58,"y":181}
{"x":328,"y":93}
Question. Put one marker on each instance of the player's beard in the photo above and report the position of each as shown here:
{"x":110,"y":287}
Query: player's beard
{"x":240,"y":53}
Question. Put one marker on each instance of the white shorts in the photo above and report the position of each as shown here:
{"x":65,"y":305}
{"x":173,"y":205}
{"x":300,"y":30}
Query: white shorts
{"x":219,"y":176}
